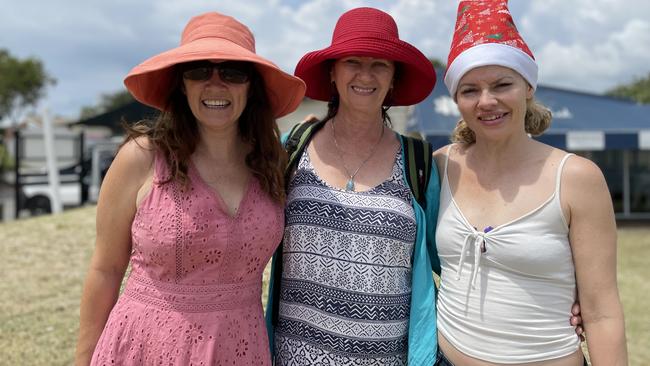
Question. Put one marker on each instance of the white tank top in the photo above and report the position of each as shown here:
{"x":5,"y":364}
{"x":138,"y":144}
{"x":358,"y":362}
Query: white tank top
{"x":511,"y":302}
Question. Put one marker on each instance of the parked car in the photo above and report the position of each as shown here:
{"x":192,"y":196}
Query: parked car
{"x":74,"y":189}
{"x":37,"y":194}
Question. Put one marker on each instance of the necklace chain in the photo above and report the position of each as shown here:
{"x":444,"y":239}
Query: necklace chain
{"x":349,"y":186}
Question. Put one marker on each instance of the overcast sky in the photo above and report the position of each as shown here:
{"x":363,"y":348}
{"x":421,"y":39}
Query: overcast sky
{"x":90,"y":45}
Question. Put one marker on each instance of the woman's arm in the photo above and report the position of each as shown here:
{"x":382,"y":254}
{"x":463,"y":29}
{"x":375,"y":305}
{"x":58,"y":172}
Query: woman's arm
{"x":115,"y":211}
{"x":592,"y":235}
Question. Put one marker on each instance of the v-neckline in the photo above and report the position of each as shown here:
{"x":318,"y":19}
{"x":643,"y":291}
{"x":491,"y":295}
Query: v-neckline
{"x":473,"y":228}
{"x":217,"y":197}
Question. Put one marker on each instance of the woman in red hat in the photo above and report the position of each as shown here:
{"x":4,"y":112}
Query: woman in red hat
{"x":356,"y":281}
{"x":194,"y":203}
{"x":523,"y":227}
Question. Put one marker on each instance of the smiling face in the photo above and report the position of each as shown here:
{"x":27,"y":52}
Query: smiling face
{"x":492,"y":101}
{"x":215,"y":103}
{"x":363,"y":82}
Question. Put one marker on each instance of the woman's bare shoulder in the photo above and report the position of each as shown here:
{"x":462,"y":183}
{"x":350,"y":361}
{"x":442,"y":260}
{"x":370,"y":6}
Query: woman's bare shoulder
{"x":583,"y":185}
{"x":137,"y":153}
{"x":579,"y":170}
{"x":134,"y":161}
{"x":440,"y":155}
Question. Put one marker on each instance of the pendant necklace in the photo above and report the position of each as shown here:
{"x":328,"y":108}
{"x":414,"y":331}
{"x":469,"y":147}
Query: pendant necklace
{"x":349,"y":186}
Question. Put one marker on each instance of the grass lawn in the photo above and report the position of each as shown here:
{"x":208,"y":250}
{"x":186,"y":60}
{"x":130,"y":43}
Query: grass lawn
{"x":44,"y":261}
{"x":634,"y":287}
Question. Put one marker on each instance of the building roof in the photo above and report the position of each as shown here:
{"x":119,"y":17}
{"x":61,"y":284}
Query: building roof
{"x":131,"y":112}
{"x":581,"y":121}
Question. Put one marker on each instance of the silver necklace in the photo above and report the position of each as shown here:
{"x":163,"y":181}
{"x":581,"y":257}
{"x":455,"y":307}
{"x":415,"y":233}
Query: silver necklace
{"x":349,"y":186}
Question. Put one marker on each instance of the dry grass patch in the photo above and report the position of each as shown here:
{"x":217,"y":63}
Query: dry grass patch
{"x":44,"y":262}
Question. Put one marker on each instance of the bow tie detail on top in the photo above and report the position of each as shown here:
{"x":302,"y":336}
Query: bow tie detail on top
{"x":475,"y":239}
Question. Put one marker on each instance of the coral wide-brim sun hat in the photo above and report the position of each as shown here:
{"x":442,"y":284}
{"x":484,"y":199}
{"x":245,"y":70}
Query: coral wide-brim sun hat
{"x":372,"y":33}
{"x":212,"y":36}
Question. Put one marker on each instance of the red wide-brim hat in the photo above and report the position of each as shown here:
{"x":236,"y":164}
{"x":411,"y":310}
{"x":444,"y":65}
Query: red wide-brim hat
{"x":372,"y":33}
{"x":213,"y":36}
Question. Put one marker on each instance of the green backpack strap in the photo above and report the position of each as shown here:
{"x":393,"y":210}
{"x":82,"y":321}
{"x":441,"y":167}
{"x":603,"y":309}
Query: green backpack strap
{"x":296,"y":142}
{"x":417,"y":160}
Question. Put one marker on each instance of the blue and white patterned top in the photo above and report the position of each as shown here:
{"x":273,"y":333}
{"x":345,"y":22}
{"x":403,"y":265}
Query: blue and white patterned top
{"x":346,"y":282}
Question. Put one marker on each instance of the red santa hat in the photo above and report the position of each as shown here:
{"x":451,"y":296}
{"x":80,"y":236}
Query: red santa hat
{"x":485,"y":34}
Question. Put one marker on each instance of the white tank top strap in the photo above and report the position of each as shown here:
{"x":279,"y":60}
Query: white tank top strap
{"x":558,"y":176}
{"x":447,"y":159}
{"x":556,"y":194}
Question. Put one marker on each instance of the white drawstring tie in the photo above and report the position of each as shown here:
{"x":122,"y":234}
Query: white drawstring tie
{"x":477,"y":238}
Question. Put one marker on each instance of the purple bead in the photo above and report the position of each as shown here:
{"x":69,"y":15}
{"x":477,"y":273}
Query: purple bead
{"x":488,"y":229}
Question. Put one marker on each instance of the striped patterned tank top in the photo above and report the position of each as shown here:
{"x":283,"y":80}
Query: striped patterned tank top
{"x":346,"y":280}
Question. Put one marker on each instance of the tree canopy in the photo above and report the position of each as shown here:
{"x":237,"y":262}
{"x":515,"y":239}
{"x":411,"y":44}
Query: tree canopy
{"x":22,"y":83}
{"x":638,"y":90}
{"x":437,"y":63}
{"x":108,"y":101}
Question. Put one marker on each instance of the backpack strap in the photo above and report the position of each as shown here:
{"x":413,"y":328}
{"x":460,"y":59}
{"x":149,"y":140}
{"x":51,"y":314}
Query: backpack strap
{"x":299,"y":137}
{"x":417,"y":161}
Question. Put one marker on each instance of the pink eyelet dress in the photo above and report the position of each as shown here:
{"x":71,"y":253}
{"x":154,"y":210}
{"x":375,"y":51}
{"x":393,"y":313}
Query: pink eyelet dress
{"x":193,"y":296}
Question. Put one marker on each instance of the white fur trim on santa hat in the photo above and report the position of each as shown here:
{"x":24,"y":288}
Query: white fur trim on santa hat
{"x":490,"y":54}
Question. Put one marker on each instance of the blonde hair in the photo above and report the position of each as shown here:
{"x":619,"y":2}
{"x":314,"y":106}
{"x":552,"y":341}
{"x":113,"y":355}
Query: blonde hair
{"x":538,"y":119}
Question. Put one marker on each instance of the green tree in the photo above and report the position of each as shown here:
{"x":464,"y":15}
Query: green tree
{"x":437,"y":63}
{"x":108,"y":101}
{"x":638,"y":90}
{"x":22,"y":84}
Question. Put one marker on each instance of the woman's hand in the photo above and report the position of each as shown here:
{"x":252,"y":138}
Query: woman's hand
{"x":576,"y":320}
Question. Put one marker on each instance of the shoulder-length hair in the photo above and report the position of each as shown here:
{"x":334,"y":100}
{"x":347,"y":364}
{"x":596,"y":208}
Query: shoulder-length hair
{"x":175,"y":134}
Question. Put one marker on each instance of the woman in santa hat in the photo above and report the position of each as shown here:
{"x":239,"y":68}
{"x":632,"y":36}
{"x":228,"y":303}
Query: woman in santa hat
{"x":523,"y":228}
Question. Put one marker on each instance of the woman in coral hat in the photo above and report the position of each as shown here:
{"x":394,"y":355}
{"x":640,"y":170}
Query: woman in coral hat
{"x":194,"y":203}
{"x":523,"y":228}
{"x":354,"y":282}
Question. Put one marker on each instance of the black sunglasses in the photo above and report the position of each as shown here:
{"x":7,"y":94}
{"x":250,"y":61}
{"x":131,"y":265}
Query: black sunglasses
{"x":232,"y":72}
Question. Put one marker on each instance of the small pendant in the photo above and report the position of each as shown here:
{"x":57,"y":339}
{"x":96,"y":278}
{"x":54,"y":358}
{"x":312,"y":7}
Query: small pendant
{"x":350,"y":185}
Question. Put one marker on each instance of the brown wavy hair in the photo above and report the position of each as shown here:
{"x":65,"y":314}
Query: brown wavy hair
{"x":537,"y":120}
{"x":175,"y":134}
